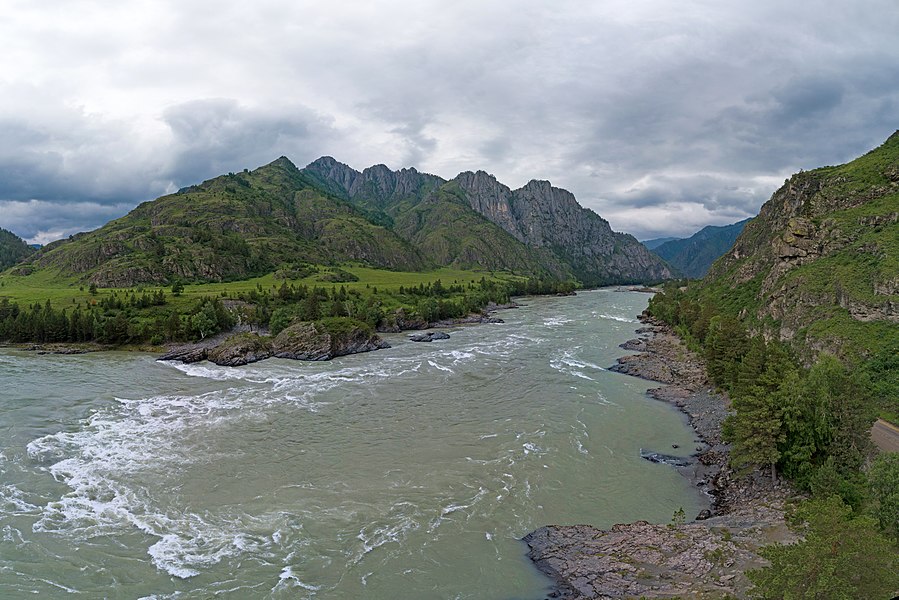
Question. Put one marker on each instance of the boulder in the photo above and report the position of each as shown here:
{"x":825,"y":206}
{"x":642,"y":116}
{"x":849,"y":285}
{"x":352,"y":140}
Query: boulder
{"x":302,"y":341}
{"x":186,"y":354}
{"x":326,"y":339}
{"x":241,"y":349}
{"x":665,"y":459}
{"x":429,"y":336}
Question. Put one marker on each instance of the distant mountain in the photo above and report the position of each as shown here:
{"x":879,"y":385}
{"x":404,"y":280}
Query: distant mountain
{"x":820,"y":263}
{"x":12,"y":249}
{"x":245,"y":224}
{"x":558,"y":234}
{"x":694,"y":255}
{"x":231,"y":227}
{"x":656,"y":242}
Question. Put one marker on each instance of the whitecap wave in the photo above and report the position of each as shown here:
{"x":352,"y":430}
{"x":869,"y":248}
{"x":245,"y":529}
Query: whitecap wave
{"x":619,"y":318}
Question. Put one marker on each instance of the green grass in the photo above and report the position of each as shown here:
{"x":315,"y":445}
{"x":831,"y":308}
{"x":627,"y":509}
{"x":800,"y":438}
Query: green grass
{"x":63,"y":291}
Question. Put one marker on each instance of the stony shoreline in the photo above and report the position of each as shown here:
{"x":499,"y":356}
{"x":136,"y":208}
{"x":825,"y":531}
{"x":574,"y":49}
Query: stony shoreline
{"x":707,"y":557}
{"x":304,"y":341}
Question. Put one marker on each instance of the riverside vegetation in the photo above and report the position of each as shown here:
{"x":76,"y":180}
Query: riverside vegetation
{"x":378,"y":248}
{"x":798,"y":325}
{"x":155,"y":316}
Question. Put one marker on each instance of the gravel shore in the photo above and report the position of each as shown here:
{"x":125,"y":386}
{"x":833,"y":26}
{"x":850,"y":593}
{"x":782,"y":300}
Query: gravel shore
{"x":704,"y":558}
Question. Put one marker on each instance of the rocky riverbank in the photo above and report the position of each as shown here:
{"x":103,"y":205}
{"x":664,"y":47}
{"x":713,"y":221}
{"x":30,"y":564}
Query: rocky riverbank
{"x":706,"y":558}
{"x":314,"y":341}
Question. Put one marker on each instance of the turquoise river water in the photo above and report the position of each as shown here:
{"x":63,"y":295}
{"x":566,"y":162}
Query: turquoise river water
{"x":410,"y":472}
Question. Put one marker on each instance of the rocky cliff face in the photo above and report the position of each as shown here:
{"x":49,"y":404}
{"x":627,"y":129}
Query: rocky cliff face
{"x":821,"y":260}
{"x":544,"y":216}
{"x":559,"y":235}
{"x":375,"y":187}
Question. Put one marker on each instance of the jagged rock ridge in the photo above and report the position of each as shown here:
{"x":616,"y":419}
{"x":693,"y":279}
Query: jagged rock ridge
{"x":250,"y":223}
{"x":540,"y":216}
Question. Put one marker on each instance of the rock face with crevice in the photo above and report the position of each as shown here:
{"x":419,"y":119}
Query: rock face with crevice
{"x":544,"y":216}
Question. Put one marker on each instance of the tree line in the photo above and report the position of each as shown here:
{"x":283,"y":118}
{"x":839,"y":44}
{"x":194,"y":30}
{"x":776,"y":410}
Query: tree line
{"x":119,"y":318}
{"x":811,"y":425}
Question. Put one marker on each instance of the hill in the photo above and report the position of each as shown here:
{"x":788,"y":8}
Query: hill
{"x":694,"y":255}
{"x":231,"y":227}
{"x":819,"y":265}
{"x":12,"y":249}
{"x":247,"y":224}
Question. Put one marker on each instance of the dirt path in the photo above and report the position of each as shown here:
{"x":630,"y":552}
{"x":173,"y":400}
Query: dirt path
{"x":885,"y":436}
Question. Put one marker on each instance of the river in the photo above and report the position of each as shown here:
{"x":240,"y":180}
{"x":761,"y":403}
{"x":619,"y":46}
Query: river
{"x":410,"y":472}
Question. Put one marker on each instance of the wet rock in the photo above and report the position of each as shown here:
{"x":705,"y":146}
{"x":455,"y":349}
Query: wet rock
{"x":665,"y":459}
{"x":312,"y":341}
{"x":241,"y":349}
{"x":186,"y":354}
{"x":429,"y":336}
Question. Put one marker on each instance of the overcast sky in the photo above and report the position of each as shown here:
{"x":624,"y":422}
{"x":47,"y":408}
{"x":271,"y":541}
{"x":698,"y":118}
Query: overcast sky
{"x":661,"y":116}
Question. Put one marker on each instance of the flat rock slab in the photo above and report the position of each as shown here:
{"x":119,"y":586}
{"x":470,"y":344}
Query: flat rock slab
{"x":429,"y":336}
{"x":641,"y":560}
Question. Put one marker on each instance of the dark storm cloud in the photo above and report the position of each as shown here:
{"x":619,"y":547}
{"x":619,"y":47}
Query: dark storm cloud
{"x":662,"y":117}
{"x":82,"y":173}
{"x":42,"y":222}
{"x":215,"y":136}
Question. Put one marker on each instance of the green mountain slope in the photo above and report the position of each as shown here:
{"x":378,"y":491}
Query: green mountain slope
{"x":12,"y":249}
{"x":230,"y":227}
{"x":475,"y":221}
{"x":434,"y":215}
{"x":820,"y":263}
{"x":694,"y":255}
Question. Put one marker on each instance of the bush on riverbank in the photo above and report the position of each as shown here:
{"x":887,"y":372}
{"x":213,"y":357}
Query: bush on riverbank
{"x":810,"y":424}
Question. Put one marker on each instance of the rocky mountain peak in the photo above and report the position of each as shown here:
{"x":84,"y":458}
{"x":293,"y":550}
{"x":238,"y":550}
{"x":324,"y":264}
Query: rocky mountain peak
{"x":284,"y":163}
{"x":329,"y":169}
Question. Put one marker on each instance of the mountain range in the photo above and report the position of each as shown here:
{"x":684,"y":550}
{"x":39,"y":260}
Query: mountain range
{"x":694,"y":255}
{"x":250,"y":223}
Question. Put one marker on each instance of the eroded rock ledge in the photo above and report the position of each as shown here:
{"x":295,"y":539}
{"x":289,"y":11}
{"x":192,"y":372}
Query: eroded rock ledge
{"x":706,"y":558}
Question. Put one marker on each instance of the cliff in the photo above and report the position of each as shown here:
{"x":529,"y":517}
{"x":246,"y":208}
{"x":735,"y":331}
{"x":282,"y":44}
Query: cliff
{"x":820,"y":263}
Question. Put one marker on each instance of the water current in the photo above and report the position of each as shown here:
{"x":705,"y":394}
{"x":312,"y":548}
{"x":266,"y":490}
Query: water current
{"x":410,"y":472}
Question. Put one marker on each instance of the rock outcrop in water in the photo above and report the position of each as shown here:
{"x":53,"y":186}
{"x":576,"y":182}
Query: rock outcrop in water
{"x":241,"y":349}
{"x":429,"y":336}
{"x":313,"y":341}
